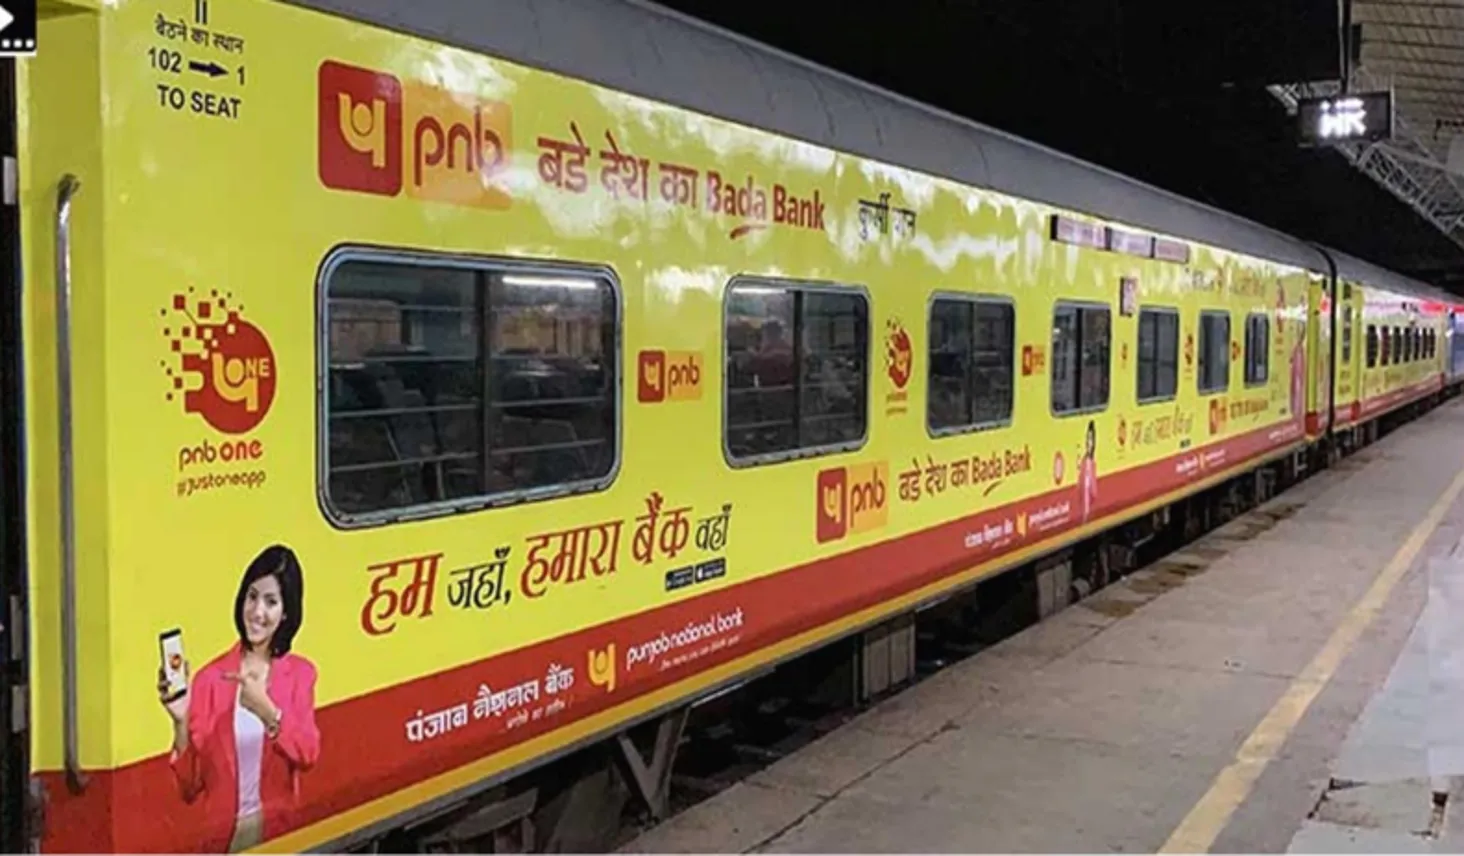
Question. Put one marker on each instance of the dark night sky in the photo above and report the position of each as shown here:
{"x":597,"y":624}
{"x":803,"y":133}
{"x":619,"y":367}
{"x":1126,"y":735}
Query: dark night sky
{"x":1168,"y":91}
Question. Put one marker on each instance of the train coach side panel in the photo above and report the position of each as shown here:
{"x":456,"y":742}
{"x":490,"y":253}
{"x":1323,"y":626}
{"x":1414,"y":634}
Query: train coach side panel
{"x":500,"y":356}
{"x":1348,"y":354}
{"x":1394,"y":371}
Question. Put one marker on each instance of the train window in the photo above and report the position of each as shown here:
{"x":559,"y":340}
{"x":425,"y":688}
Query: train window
{"x":1397,"y":345}
{"x":1372,"y":346}
{"x":1347,"y":334}
{"x":1433,"y":344}
{"x":1214,"y":373}
{"x":797,"y":369}
{"x":457,"y":382}
{"x":972,"y":355}
{"x":1081,"y":343}
{"x":1257,"y":349}
{"x":1158,"y":357}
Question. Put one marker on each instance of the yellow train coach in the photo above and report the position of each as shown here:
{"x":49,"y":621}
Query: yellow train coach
{"x":400,"y":396}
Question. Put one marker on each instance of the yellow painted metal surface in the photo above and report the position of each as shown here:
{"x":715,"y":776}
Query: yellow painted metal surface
{"x":227,"y":171}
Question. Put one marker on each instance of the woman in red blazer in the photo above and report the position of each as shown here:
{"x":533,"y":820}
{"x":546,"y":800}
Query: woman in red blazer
{"x":245,"y":729}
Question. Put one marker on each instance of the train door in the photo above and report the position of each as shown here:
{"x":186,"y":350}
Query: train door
{"x":1350,"y":353}
{"x":1316,"y":340}
{"x":16,"y":826}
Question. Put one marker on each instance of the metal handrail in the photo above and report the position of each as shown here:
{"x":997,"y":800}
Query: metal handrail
{"x":76,"y":780}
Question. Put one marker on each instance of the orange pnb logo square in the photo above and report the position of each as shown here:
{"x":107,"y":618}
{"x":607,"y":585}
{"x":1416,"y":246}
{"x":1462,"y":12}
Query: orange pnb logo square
{"x":458,"y":147}
{"x":359,"y":129}
{"x":851,"y":499}
{"x":378,"y":135}
{"x":669,"y":376}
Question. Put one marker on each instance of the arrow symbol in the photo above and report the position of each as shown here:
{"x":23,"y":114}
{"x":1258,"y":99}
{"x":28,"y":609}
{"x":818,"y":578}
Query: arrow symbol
{"x":5,"y":17}
{"x":212,"y":69}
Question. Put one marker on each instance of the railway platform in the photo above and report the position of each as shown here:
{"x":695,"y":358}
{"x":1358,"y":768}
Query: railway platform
{"x":1292,"y":681}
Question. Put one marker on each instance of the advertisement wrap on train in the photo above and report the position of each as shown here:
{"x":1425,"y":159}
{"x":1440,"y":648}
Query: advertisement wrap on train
{"x":474,"y":411}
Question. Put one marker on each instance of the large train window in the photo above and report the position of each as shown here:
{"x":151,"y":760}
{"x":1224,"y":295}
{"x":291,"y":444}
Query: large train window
{"x":971,"y":363}
{"x":1257,"y":349}
{"x":1158,"y":354}
{"x":1347,"y":334}
{"x":1214,"y":373}
{"x":456,"y":382}
{"x":797,"y":370}
{"x":1081,"y":343}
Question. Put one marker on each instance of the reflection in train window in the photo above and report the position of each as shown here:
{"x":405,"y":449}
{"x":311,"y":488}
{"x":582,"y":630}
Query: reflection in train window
{"x":1158,"y":357}
{"x":1214,"y":373}
{"x":453,"y":383}
{"x":971,"y":363}
{"x":1347,"y":334}
{"x":1257,"y":349}
{"x":1081,"y":338}
{"x":797,"y":368}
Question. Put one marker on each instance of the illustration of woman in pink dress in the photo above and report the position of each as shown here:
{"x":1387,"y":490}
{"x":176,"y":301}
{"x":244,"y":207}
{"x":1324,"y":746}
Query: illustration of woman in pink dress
{"x":1088,"y":473}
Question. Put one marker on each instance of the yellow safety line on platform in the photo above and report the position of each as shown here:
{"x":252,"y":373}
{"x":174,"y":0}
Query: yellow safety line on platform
{"x":1199,"y":829}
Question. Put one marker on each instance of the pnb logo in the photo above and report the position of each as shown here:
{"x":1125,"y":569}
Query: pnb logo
{"x":852,"y":499}
{"x":376,"y":135}
{"x":231,"y":358}
{"x":669,"y":376}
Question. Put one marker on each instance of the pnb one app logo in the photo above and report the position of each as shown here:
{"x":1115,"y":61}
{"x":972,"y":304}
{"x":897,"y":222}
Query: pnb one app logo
{"x":377,"y":135}
{"x":220,"y":364}
{"x":851,"y":499}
